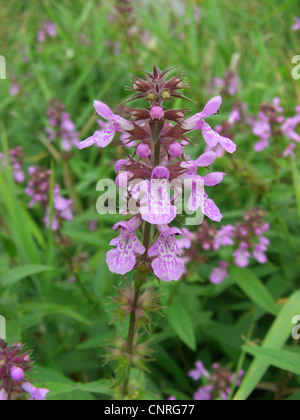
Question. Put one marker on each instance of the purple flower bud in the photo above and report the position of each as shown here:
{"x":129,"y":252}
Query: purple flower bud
{"x":160,"y":172}
{"x":143,"y":151}
{"x":157,"y":113}
{"x":121,"y":165}
{"x":175,"y":150}
{"x":17,"y":374}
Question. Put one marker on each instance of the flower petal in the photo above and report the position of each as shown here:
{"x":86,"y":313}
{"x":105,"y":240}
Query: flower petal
{"x":210,"y":136}
{"x":103,"y":110}
{"x":156,"y":205}
{"x":227,"y":144}
{"x":106,"y":137}
{"x":213,"y":179}
{"x":211,"y":210}
{"x":90,"y":141}
{"x":206,"y":159}
{"x":212,"y":107}
{"x":122,"y":259}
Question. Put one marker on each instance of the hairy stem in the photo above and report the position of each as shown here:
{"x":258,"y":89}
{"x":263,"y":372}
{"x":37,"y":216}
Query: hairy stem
{"x":140,"y":279}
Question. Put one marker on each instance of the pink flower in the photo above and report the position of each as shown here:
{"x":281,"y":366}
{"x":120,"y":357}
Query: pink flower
{"x":261,"y":145}
{"x":15,"y":89}
{"x":105,"y":137}
{"x":62,"y":127}
{"x":50,"y":28}
{"x":290,"y":150}
{"x":185,"y":242}
{"x":211,"y":137}
{"x":143,"y":151}
{"x":296,"y":25}
{"x":175,"y":150}
{"x":197,"y":373}
{"x":220,"y":273}
{"x":225,"y":236}
{"x":260,"y":249}
{"x":17,"y":374}
{"x":198,"y":198}
{"x":289,"y":127}
{"x":168,"y":265}
{"x":123,"y":259}
{"x":156,"y":207}
{"x":242,"y":255}
{"x":36,"y":394}
{"x":203,"y":393}
{"x":3,"y":395}
{"x":157,"y":112}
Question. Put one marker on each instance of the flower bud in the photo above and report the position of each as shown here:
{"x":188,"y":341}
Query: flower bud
{"x":143,"y":151}
{"x":166,"y":94}
{"x":121,"y":164}
{"x":157,"y":113}
{"x":122,"y":179}
{"x":17,"y":374}
{"x":160,"y":172}
{"x":175,"y":150}
{"x":150,"y":96}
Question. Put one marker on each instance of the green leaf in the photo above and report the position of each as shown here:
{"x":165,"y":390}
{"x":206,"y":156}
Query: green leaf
{"x":89,"y":238}
{"x":254,"y":289}
{"x":180,"y":321}
{"x":15,"y":275}
{"x":281,"y":359}
{"x":278,"y":334}
{"x":296,"y":178}
{"x":98,"y":387}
